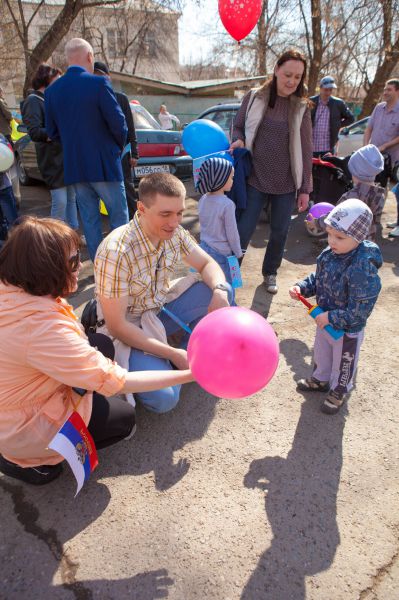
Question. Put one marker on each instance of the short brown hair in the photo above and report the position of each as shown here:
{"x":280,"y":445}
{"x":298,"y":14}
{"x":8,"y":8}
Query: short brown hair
{"x":35,"y":256}
{"x":44,"y":75}
{"x":160,"y":183}
{"x":394,"y":82}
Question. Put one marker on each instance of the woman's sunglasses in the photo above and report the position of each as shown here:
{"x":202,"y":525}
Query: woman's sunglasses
{"x":74,"y":261}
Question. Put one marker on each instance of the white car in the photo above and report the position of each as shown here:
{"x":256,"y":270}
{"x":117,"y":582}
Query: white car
{"x":350,"y":138}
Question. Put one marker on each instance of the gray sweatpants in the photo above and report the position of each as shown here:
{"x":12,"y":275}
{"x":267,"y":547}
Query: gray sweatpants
{"x":336,"y":360}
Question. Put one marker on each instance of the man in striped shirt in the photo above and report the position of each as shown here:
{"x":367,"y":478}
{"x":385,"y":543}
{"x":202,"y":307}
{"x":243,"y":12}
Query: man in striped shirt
{"x":133,"y":268}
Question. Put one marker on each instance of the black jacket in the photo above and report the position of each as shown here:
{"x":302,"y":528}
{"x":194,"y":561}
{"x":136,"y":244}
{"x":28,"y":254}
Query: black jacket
{"x":123,"y":102}
{"x":50,"y":157}
{"x":340,"y":116}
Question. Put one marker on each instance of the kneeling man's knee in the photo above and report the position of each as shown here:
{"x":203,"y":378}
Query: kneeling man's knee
{"x":161,"y":401}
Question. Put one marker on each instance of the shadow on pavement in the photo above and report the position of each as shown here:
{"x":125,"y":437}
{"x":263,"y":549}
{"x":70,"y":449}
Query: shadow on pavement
{"x":158,"y":437}
{"x":262,"y":301}
{"x":301,"y":498}
{"x":35,"y":513}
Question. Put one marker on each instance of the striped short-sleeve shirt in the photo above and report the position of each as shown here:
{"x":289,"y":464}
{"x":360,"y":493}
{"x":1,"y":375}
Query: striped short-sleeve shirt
{"x":128,"y":264}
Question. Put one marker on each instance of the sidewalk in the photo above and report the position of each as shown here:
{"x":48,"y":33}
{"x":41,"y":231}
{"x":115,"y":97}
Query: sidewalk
{"x":263,"y":498}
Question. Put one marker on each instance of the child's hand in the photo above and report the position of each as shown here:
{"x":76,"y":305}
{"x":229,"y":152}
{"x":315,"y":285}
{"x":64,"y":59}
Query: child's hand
{"x":294,"y":291}
{"x":322,"y":320}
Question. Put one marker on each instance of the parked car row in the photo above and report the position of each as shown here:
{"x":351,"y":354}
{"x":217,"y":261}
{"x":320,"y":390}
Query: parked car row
{"x":162,"y":151}
{"x":350,"y":138}
{"x":159,"y":150}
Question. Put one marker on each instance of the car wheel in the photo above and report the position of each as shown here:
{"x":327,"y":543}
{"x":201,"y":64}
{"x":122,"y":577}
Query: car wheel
{"x":23,"y":177}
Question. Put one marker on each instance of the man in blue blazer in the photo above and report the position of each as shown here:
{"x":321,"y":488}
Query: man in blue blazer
{"x":82,"y":111}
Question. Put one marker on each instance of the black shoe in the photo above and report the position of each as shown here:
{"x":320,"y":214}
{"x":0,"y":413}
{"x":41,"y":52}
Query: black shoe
{"x":35,"y":475}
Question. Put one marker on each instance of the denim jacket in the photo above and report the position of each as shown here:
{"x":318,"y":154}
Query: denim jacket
{"x":346,"y":285}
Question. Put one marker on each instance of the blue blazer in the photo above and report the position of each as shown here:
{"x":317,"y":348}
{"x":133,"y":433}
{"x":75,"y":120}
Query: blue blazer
{"x":81,"y":110}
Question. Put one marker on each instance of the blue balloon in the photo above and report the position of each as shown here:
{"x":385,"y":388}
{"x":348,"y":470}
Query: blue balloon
{"x":203,"y":137}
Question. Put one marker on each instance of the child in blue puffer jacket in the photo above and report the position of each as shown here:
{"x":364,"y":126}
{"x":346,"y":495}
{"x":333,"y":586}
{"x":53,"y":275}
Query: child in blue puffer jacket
{"x":346,"y":285}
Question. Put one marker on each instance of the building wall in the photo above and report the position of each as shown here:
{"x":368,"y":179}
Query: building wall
{"x":135,"y":41}
{"x":186,"y":108}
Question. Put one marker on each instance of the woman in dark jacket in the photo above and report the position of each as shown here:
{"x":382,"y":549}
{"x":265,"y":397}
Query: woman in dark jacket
{"x":49,"y":152}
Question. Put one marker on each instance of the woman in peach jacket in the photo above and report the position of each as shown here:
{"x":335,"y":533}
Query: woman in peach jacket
{"x":46,"y":361}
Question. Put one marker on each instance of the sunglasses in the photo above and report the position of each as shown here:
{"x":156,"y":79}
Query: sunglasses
{"x":74,"y":261}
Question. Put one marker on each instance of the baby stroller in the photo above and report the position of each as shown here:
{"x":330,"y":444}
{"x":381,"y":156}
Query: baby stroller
{"x":331,"y":179}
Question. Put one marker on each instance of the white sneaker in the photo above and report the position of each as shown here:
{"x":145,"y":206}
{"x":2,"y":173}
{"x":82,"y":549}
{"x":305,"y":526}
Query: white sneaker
{"x":271,"y":283}
{"x":392,"y":225}
{"x":394,"y":233}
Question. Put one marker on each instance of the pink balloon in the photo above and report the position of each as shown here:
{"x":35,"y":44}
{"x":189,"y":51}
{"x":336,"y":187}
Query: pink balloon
{"x":233,"y":352}
{"x":239,"y":17}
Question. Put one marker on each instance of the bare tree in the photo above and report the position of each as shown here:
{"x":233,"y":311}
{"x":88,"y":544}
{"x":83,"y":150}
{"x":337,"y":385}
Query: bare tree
{"x":22,"y":15}
{"x":389,"y":54}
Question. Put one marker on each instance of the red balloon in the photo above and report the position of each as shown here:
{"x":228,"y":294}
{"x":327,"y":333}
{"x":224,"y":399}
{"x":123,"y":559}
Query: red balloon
{"x":239,"y":16}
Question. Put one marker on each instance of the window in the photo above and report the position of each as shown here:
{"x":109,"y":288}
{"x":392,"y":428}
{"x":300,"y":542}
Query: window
{"x":358,"y":128}
{"x":115,"y":43}
{"x":150,"y":44}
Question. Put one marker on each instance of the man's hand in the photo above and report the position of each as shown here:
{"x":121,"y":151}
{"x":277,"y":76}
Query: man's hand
{"x":302,"y":202}
{"x":133,"y":162}
{"x":322,"y":320}
{"x":220,"y":299}
{"x":178,"y":357}
{"x":294,"y":291}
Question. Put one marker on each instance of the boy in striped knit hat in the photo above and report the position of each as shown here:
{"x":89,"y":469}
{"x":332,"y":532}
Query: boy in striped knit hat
{"x":219,"y":233}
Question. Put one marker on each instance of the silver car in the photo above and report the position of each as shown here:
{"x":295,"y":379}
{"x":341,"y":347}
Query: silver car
{"x":350,"y":138}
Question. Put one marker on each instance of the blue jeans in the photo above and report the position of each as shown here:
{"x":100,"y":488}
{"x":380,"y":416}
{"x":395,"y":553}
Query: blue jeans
{"x":63,"y":205}
{"x":8,"y":204}
{"x":281,"y":211}
{"x":190,"y":307}
{"x":88,"y":196}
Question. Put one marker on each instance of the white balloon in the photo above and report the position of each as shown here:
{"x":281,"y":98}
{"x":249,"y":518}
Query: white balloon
{"x":6,"y":157}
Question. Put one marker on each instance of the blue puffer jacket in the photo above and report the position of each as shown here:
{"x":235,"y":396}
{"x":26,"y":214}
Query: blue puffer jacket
{"x":346,"y":285}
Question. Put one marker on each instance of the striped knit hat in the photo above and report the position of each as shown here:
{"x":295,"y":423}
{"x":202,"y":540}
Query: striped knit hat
{"x":213,"y":174}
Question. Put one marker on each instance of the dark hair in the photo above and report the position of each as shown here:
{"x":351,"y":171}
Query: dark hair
{"x":160,"y":183}
{"x":35,"y":256}
{"x":394,"y":82}
{"x":301,"y":90}
{"x":43,"y":76}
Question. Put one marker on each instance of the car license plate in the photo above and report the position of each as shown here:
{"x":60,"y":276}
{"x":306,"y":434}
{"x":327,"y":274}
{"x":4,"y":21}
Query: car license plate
{"x":142,"y":171}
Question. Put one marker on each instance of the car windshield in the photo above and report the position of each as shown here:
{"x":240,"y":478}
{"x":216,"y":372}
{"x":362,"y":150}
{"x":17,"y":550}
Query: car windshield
{"x":142,"y":118}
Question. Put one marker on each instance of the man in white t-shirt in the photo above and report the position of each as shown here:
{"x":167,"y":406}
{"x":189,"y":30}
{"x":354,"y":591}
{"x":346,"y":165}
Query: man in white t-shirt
{"x":166,"y":119}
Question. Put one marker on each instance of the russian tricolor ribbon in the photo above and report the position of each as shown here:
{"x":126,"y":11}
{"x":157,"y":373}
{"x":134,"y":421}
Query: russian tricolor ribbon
{"x":74,"y":442}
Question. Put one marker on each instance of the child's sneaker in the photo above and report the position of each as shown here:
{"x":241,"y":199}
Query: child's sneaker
{"x":312,"y":385}
{"x":332,"y":403}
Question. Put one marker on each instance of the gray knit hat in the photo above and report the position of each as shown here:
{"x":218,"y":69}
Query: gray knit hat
{"x":213,"y":174}
{"x":352,"y":217}
{"x":366,"y":163}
